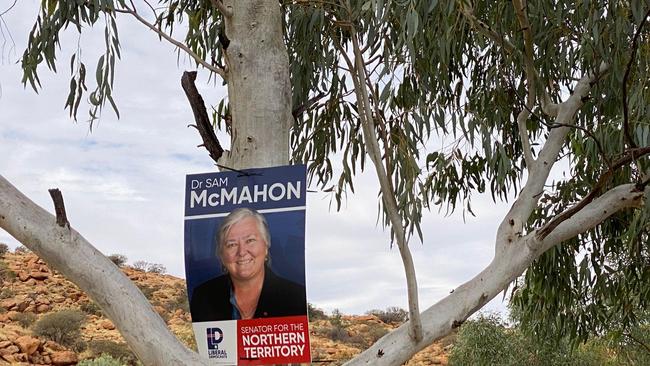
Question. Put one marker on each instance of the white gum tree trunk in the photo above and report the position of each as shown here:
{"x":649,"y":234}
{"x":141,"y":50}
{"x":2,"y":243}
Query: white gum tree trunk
{"x":259,"y":86}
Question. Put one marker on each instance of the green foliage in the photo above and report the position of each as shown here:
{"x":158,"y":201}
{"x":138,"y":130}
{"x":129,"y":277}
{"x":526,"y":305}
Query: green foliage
{"x":91,"y":308}
{"x":4,"y":248}
{"x":608,"y":288}
{"x":315,"y":313}
{"x":118,"y":259}
{"x":6,"y":273}
{"x":488,"y":341}
{"x":54,"y":17}
{"x":117,"y":351}
{"x":25,"y":319}
{"x":63,"y":327}
{"x":104,"y":360}
{"x":392,"y":315}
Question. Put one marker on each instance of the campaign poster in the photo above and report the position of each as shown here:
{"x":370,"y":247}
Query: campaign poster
{"x":245,"y":265}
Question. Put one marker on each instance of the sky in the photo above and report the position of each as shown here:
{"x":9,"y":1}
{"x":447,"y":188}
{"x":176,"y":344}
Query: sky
{"x":123,"y":182}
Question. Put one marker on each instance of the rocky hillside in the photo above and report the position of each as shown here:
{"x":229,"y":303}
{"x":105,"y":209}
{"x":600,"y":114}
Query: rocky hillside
{"x":39,"y":309}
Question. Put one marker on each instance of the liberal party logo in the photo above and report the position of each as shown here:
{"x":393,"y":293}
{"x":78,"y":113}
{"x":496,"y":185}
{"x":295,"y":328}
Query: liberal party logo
{"x":215,"y":336}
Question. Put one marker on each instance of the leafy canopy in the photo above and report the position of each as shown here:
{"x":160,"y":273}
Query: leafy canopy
{"x":447,"y":80}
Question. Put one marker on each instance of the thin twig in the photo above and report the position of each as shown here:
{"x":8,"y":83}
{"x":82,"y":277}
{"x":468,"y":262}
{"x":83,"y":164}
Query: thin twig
{"x":9,"y":8}
{"x":487,"y":31}
{"x":553,"y":125}
{"x":221,"y":72}
{"x":629,"y":335}
{"x":308,"y":104}
{"x":635,"y":45}
{"x":521,"y":9}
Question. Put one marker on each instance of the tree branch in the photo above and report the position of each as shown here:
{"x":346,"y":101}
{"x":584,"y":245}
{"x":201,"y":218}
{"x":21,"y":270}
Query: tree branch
{"x":635,"y":45}
{"x":388,"y":196}
{"x":522,"y":16}
{"x":210,"y":141}
{"x":465,"y":300}
{"x":59,"y":208}
{"x":221,"y":72}
{"x":590,"y":215}
{"x":226,"y":11}
{"x":97,"y":276}
{"x":510,"y":229}
{"x":629,"y":156}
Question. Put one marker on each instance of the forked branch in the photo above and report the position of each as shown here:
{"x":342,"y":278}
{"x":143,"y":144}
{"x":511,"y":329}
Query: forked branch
{"x":628,"y":157}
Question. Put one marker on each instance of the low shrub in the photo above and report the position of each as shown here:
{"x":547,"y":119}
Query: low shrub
{"x":25,"y":319}
{"x":486,"y":341}
{"x":315,"y":313}
{"x":104,"y":360}
{"x":178,"y":302}
{"x":116,"y":350}
{"x":338,"y":334}
{"x":6,"y":274}
{"x":91,"y":308}
{"x":7,"y":293}
{"x":147,"y":291}
{"x":118,"y":259}
{"x":392,"y":315}
{"x":156,"y":268}
{"x":63,"y":327}
{"x":375,"y":332}
{"x":4,"y":248}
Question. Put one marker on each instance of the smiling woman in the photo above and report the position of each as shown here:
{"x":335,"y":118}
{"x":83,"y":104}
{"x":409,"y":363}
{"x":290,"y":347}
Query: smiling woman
{"x":248,"y":288}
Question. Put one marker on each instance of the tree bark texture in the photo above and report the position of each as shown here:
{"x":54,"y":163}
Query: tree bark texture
{"x":259,"y":86}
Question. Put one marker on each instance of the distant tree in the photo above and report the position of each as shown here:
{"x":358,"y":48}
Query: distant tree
{"x":4,"y":248}
{"x":447,"y":98}
{"x":118,"y":259}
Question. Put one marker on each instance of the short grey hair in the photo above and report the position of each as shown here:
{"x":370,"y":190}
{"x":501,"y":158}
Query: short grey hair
{"x":238,"y":215}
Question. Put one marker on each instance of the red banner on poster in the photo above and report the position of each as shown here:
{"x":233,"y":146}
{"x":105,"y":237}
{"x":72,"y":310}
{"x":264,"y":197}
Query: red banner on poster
{"x":273,"y":340}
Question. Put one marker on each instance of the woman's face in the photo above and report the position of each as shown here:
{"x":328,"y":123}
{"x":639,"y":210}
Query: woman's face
{"x":244,"y":250}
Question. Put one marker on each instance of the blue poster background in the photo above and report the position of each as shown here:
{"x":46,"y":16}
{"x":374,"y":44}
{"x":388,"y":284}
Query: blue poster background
{"x":287,"y":228}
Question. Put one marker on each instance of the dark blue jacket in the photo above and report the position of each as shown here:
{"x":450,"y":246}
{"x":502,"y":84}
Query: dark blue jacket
{"x":279,"y":297}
